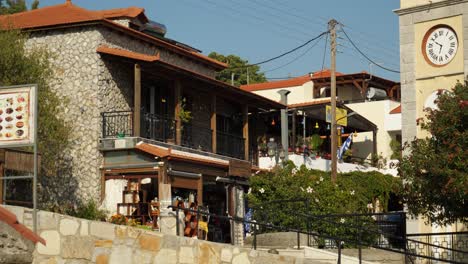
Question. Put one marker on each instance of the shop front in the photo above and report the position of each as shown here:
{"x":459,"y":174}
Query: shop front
{"x":143,"y":181}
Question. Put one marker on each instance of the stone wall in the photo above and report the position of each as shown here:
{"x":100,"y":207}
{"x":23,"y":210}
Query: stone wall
{"x":73,"y":240}
{"x":13,"y":247}
{"x":89,"y":86}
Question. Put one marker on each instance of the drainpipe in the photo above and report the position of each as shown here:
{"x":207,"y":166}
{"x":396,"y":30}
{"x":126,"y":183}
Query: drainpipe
{"x":284,"y":122}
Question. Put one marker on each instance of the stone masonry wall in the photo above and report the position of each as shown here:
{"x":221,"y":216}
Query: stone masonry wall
{"x":91,"y":85}
{"x":73,"y":240}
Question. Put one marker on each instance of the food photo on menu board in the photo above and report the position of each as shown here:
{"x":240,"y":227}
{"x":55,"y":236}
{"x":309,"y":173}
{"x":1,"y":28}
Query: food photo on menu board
{"x":14,"y":115}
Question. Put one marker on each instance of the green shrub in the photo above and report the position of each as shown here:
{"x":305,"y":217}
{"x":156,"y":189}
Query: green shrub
{"x":88,"y":210}
{"x":317,"y":196}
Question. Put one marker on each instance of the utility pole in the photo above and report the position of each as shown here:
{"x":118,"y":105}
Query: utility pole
{"x":332,"y":27}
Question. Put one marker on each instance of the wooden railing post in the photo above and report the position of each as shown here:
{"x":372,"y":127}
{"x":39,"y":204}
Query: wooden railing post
{"x":137,"y":101}
{"x":213,"y":123}
{"x":245,"y":130}
{"x":177,"y":109}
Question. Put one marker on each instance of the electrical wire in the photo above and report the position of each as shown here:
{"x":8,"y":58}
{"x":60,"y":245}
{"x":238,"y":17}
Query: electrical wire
{"x":253,"y":20}
{"x":283,"y":54}
{"x":296,"y":58}
{"x":324,"y":20}
{"x":365,"y":56}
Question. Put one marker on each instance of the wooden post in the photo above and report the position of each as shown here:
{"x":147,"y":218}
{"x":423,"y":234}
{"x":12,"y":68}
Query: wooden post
{"x":177,"y":109}
{"x":213,"y":123}
{"x":333,"y":149}
{"x":200,"y":191}
{"x":137,"y":101}
{"x":245,"y":130}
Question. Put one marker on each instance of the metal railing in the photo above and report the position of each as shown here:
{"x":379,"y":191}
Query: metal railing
{"x":197,"y":136}
{"x":158,"y":127}
{"x":117,"y":124}
{"x":360,"y":232}
{"x":230,"y":145}
{"x":452,"y":246}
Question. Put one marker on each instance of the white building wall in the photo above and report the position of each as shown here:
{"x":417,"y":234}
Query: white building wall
{"x":378,"y":113}
{"x":299,"y":94}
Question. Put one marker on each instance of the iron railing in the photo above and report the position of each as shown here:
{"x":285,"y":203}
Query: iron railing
{"x":197,"y":136}
{"x":451,"y":246}
{"x":158,"y":127}
{"x":117,"y":124}
{"x":358,"y":230}
{"x":230,"y":145}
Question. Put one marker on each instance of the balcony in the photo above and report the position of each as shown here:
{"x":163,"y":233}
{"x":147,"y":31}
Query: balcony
{"x":194,"y":135}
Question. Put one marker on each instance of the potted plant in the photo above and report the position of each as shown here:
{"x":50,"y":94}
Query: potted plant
{"x":261,"y":146}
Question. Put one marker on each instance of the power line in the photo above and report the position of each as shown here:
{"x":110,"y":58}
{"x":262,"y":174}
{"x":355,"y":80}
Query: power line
{"x":295,"y":59}
{"x":254,"y":20}
{"x":325,"y":52}
{"x":323,"y":20}
{"x":289,"y":29}
{"x":365,"y":56}
{"x":283,"y":54}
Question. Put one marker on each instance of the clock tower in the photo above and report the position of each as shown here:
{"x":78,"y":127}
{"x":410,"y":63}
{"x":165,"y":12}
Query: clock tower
{"x":432,"y":55}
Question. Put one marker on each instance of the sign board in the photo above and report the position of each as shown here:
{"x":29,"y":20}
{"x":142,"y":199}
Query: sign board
{"x":17,"y":115}
{"x":340,"y":116}
{"x":240,"y":168}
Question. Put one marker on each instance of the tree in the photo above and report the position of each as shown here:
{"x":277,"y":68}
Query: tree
{"x":15,"y":6}
{"x":237,"y":65}
{"x":21,"y":66}
{"x":435,"y":170}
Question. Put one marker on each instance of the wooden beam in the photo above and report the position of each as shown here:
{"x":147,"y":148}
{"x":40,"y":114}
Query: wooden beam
{"x":136,"y":100}
{"x":213,"y":123}
{"x":245,"y":130}
{"x":200,"y":191}
{"x":359,"y":87}
{"x":177,"y":109}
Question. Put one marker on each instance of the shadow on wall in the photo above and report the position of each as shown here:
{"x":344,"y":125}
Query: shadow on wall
{"x":362,"y":149}
{"x":57,"y":193}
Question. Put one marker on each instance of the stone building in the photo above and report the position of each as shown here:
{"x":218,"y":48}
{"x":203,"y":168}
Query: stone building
{"x":147,"y":114}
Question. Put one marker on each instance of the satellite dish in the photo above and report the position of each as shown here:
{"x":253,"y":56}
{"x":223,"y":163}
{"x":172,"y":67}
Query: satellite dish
{"x":431,"y":100}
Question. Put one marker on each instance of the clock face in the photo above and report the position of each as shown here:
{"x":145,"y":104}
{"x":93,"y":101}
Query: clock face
{"x":440,"y":45}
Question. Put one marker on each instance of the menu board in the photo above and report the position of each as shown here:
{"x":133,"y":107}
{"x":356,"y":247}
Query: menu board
{"x":17,"y":115}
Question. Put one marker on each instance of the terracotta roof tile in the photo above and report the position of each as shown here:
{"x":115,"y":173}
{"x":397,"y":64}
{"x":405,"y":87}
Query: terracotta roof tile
{"x":325,"y":73}
{"x":277,"y":84}
{"x":127,"y":54}
{"x":61,"y":14}
{"x":396,"y":110}
{"x":10,"y":219}
{"x":68,"y":14}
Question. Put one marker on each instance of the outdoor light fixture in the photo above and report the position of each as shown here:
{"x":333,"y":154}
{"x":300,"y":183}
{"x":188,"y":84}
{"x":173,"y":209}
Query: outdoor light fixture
{"x":328,"y":126}
{"x":273,"y":122}
{"x":316,"y":125}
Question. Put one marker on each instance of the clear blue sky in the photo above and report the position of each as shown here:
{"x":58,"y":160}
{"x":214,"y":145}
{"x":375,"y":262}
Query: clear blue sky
{"x":260,"y":29}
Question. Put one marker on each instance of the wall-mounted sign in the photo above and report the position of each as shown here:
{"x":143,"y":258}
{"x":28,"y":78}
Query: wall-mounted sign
{"x":341,"y":116}
{"x":17,"y":115}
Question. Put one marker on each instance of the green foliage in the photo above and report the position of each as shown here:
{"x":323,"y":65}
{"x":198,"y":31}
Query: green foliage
{"x":435,"y":170}
{"x":15,"y":6}
{"x":21,"y":66}
{"x":237,"y":65}
{"x":395,"y":146}
{"x":351,"y":194}
{"x":184,"y":115}
{"x":315,"y":142}
{"x":88,"y":210}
